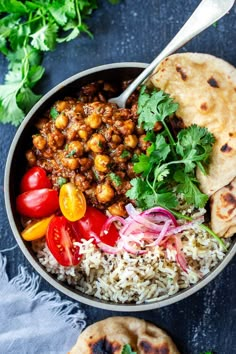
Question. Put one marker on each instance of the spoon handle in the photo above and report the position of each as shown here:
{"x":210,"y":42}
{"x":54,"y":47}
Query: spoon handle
{"x":208,"y":12}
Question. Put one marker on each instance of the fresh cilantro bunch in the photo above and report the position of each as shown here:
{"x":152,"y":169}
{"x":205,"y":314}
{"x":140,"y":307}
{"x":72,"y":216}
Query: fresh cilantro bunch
{"x":169,"y":165}
{"x":27,"y":29}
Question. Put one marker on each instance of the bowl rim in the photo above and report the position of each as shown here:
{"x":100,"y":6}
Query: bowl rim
{"x":64,"y":288}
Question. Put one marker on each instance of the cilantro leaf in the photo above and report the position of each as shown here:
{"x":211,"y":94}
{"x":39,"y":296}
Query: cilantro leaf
{"x":13,"y":6}
{"x":143,"y":164}
{"x":61,"y":181}
{"x":115,"y":178}
{"x":45,"y":38}
{"x":124,"y":154}
{"x":194,"y":145}
{"x":54,"y":113}
{"x":127,"y":350}
{"x":26,"y":99}
{"x":187,"y":185}
{"x":154,"y":107}
{"x":9,"y":110}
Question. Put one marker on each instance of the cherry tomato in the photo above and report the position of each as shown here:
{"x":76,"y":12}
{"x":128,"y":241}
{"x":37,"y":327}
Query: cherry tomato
{"x":60,"y":239}
{"x":35,"y":178}
{"x":37,"y":203}
{"x":72,"y":202}
{"x":92,"y":222}
{"x":36,"y":229}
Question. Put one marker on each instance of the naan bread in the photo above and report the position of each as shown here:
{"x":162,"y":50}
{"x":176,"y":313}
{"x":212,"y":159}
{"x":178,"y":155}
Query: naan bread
{"x":110,"y":335}
{"x":223,"y":210}
{"x":205,"y":88}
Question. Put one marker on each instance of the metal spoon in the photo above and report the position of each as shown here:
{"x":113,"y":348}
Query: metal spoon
{"x":208,"y":12}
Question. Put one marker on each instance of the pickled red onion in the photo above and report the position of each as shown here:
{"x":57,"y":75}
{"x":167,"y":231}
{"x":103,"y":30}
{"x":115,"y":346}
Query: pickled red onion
{"x":141,"y":230}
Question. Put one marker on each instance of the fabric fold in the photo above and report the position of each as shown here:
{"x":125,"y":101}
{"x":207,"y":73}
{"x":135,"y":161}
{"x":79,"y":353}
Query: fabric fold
{"x":33,"y":322}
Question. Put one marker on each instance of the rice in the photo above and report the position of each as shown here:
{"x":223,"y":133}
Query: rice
{"x":127,"y":278}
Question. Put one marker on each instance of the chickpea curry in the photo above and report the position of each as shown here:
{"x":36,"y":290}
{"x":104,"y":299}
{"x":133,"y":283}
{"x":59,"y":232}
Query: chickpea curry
{"x":92,"y":144}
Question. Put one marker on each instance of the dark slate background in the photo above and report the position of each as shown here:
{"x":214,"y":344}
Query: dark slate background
{"x":136,"y":30}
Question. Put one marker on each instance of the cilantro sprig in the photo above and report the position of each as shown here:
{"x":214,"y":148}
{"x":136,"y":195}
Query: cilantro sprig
{"x":27,"y":29}
{"x":169,"y":165}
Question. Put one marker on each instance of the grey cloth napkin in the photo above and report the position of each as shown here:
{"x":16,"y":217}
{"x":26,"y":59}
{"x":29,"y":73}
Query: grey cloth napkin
{"x":33,"y":322}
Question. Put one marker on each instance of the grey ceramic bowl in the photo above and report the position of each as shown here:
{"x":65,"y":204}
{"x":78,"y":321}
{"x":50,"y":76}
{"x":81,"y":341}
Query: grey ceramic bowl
{"x":14,"y":170}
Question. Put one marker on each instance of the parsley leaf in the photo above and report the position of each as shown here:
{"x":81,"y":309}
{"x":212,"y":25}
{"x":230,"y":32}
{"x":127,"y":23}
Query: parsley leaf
{"x":127,"y":350}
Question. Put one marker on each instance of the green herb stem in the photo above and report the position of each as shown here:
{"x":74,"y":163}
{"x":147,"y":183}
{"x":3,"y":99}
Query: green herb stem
{"x":202,"y":226}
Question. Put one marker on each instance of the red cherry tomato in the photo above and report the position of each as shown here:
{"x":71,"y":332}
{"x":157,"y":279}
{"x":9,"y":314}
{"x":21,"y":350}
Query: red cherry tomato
{"x":35,"y":178}
{"x":93,"y":221}
{"x":60,"y":239}
{"x":37,"y":203}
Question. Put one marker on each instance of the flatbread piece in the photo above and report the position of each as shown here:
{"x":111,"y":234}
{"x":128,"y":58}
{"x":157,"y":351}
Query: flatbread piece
{"x":205,"y":88}
{"x":110,"y":335}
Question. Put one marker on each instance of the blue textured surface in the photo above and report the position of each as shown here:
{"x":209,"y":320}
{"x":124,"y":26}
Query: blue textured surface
{"x":136,"y":30}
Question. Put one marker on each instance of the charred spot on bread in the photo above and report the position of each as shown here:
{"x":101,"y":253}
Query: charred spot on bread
{"x":230,"y":199}
{"x":212,"y":82}
{"x":204,"y":106}
{"x":225,"y":148}
{"x":148,"y":348}
{"x":181,"y":72}
{"x":104,"y":346}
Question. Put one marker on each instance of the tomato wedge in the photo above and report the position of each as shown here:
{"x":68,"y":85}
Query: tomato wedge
{"x":93,"y":222}
{"x":72,"y":202}
{"x":35,"y":178}
{"x":37,"y":203}
{"x":36,"y":229}
{"x":60,"y":240}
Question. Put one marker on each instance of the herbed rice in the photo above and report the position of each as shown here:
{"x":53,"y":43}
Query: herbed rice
{"x":125,"y":278}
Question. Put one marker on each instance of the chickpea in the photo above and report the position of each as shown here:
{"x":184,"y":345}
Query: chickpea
{"x":81,"y":182}
{"x":96,"y":143}
{"x":76,"y":147}
{"x":140,"y":130}
{"x":85,"y":164}
{"x":94,"y":120}
{"x":126,"y":127}
{"x":61,"y":106}
{"x":131,"y":141}
{"x":130,"y":170}
{"x":61,"y":121}
{"x":31,"y":158}
{"x":79,"y":108}
{"x":157,"y":127}
{"x":104,"y":193}
{"x":83,"y":134}
{"x":56,"y":139}
{"x":39,"y":142}
{"x":142,"y":143}
{"x":116,"y":139}
{"x":101,"y":162}
{"x":117,"y":209}
{"x":71,"y":163}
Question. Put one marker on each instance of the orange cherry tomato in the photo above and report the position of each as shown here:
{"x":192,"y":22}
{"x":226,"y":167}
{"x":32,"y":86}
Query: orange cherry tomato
{"x":72,"y":202}
{"x":36,"y":229}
